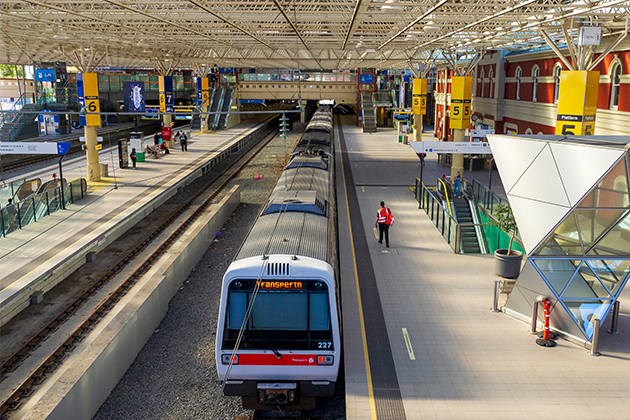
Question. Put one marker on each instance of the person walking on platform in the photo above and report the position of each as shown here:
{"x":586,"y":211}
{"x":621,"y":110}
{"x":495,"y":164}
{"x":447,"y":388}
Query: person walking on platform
{"x":458,"y":185}
{"x":384,"y":219}
{"x":156,"y":139}
{"x":133,"y":157}
{"x":183,"y":140}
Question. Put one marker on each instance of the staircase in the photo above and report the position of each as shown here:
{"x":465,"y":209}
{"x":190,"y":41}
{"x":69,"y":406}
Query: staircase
{"x":13,"y":124}
{"x":369,"y":112}
{"x":227,"y":104}
{"x":470,"y":242}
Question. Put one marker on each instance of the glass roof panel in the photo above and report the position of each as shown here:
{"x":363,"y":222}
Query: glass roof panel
{"x":611,"y":272}
{"x":557,"y":272}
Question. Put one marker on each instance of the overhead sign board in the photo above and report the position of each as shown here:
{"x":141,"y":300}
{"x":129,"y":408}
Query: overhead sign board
{"x":167,"y":101}
{"x":480,"y":133}
{"x":461,"y":95}
{"x":45,"y":75}
{"x":419,"y":100}
{"x":466,"y":147}
{"x":87,"y":91}
{"x":34,"y":148}
{"x":98,"y":139}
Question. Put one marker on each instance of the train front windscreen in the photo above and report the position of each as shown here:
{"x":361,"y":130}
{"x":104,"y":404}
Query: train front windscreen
{"x":286,"y":315}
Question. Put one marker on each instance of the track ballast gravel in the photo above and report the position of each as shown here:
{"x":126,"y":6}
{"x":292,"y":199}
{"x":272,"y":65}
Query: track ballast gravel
{"x":174,"y":376}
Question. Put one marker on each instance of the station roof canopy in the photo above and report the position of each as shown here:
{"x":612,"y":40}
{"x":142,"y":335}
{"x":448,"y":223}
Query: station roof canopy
{"x":306,"y":34}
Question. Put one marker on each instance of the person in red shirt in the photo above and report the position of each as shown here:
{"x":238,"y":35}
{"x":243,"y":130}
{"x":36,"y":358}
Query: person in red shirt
{"x":381,"y":222}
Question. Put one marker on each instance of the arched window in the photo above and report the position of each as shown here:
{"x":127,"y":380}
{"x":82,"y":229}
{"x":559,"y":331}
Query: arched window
{"x":615,"y":81}
{"x":519,"y":75}
{"x":491,"y":80}
{"x":557,"y":70}
{"x":535,"y":75}
{"x":483,"y":82}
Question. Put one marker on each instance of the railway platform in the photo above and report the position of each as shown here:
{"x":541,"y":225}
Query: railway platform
{"x":37,"y":257}
{"x":420,"y":341}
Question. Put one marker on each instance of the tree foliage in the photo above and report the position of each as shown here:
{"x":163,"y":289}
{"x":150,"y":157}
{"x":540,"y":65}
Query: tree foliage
{"x":8,"y":71}
{"x":506,"y":222}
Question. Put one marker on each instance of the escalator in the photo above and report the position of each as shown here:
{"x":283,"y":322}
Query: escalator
{"x":463,"y":214}
{"x":215,"y":105}
{"x":227,"y":104}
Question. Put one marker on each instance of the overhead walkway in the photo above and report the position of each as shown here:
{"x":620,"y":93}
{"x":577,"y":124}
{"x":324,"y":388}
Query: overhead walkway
{"x":419,"y":339}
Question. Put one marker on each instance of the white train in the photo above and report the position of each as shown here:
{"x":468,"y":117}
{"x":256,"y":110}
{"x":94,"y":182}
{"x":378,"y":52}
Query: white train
{"x":278,"y":333}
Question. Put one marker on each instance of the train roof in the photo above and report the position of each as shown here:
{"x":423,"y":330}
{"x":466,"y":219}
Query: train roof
{"x":289,"y":233}
{"x":304,"y":179}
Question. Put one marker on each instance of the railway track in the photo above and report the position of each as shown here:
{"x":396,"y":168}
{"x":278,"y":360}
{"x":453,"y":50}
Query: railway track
{"x":171,"y":229}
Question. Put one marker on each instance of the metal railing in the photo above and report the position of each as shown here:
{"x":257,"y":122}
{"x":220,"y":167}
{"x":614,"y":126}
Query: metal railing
{"x":487,"y":202}
{"x":440,"y":216}
{"x":34,"y":207}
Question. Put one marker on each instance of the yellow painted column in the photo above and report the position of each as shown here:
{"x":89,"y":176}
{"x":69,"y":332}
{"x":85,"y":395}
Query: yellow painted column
{"x":461,"y":96}
{"x":418,"y":106}
{"x":577,"y":102}
{"x":205,"y":105}
{"x":87,"y":90}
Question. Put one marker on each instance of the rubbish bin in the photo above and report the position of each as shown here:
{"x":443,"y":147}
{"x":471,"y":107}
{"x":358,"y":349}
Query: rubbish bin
{"x":139,"y":156}
{"x":104,"y":169}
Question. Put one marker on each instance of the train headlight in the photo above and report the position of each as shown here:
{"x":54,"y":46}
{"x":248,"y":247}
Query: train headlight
{"x":225,"y":359}
{"x":326,"y":360}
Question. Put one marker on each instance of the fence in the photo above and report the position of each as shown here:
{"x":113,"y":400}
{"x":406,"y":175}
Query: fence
{"x":36,"y":206}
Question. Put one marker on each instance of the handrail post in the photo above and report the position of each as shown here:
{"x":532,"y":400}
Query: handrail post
{"x":458,"y":234}
{"x":595,"y":342}
{"x":534,"y":321}
{"x":495,"y":300}
{"x":47,"y":204}
{"x":614,"y":322}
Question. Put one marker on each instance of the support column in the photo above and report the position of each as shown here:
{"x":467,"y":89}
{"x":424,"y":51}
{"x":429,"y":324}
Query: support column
{"x":577,"y":102}
{"x":461,"y":95}
{"x":87,"y":90}
{"x":418,"y":106}
{"x":93,"y":164}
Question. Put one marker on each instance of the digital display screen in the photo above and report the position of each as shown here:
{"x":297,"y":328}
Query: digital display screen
{"x":280,"y":285}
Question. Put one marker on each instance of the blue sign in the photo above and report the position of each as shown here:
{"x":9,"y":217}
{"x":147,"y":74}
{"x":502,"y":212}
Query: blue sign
{"x":227,"y":70}
{"x":199,"y":92}
{"x":62,"y":148}
{"x":406,"y":79}
{"x":384,"y":72}
{"x":169,"y":99}
{"x":134,"y":97}
{"x":366,"y":78}
{"x":81,"y":98}
{"x":252,"y":101}
{"x":45,"y":75}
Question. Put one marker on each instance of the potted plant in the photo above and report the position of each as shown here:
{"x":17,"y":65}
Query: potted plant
{"x":507,"y":261}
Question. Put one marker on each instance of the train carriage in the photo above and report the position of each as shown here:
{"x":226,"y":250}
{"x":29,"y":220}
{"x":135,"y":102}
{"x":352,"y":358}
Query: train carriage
{"x":278,"y":338}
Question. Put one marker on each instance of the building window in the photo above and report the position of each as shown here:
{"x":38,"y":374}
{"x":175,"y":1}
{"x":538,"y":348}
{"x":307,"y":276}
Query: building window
{"x":535,"y":74}
{"x":615,"y":82}
{"x":557,"y":71}
{"x":491,"y":80}
{"x":519,"y":75}
{"x":482,"y":77}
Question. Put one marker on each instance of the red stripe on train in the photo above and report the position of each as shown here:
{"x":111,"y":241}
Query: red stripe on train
{"x":271,"y":359}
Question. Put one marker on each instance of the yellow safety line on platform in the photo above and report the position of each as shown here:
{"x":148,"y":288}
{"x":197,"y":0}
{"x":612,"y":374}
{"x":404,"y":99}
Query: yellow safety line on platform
{"x":366,"y":356}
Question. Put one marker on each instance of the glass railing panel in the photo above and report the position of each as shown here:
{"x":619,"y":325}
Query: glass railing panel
{"x":40,"y":207}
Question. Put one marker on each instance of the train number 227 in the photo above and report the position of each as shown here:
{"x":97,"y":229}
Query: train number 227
{"x":324,"y":344}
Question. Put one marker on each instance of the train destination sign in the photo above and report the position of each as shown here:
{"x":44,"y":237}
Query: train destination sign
{"x":466,"y":147}
{"x":34,"y":148}
{"x":280,"y":285}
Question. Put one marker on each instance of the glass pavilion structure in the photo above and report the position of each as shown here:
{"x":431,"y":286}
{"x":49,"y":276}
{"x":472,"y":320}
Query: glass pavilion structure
{"x":569,"y":196}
